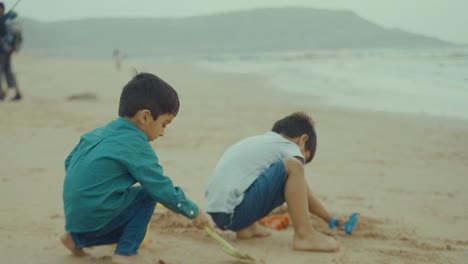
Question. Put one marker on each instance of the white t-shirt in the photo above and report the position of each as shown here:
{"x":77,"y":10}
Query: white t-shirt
{"x":240,"y":166}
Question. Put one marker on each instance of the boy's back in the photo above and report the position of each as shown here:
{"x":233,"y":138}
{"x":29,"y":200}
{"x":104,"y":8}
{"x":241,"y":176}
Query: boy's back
{"x":240,"y":166}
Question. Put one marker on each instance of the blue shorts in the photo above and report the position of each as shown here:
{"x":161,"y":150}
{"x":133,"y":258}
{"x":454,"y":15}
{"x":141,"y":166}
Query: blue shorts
{"x":265,"y":194}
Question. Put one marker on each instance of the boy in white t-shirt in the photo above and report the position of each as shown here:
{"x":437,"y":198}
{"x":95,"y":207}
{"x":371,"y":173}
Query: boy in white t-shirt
{"x":260,"y":173}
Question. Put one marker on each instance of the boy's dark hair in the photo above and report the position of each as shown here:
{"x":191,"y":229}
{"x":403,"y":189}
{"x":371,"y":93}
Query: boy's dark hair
{"x":148,"y":91}
{"x":295,"y":125}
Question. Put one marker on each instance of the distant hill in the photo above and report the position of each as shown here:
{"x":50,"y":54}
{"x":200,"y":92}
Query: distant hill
{"x":258,"y":30}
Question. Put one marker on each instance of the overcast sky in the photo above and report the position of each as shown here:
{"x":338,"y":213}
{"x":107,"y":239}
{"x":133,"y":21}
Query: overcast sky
{"x":445,"y":19}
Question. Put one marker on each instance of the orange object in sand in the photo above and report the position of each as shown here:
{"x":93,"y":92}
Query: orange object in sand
{"x":276,"y":222}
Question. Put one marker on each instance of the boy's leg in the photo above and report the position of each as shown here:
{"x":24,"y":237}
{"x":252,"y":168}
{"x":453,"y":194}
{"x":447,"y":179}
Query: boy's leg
{"x":127,"y":229}
{"x":264,"y":195}
{"x":296,"y":194}
{"x":253,"y":230}
{"x":134,"y":232}
{"x":67,"y":241}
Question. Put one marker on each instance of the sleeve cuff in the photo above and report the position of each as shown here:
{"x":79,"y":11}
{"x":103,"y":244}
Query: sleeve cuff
{"x":188,"y":209}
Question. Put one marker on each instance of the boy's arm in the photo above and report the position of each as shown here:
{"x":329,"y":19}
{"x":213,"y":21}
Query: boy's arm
{"x":316,"y":208}
{"x":145,"y":168}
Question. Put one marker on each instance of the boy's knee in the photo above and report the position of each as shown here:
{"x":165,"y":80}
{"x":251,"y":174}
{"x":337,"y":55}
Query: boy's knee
{"x":293,"y":165}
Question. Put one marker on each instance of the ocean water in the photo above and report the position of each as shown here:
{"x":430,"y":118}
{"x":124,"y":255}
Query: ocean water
{"x":430,"y":82}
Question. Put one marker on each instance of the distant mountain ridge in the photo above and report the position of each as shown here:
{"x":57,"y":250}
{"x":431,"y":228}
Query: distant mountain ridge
{"x":257,"y":30}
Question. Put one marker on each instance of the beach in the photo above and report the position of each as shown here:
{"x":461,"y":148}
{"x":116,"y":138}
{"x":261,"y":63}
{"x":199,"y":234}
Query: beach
{"x":406,"y":174}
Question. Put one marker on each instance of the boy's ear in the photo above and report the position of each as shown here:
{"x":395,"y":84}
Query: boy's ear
{"x":302,"y":140}
{"x":144,"y":116}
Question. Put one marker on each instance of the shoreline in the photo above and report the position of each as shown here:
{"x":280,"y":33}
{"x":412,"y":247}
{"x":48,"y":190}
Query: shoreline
{"x":261,"y":81}
{"x":409,"y":82}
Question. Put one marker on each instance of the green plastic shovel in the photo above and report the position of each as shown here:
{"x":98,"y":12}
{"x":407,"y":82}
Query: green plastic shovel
{"x":228,"y":248}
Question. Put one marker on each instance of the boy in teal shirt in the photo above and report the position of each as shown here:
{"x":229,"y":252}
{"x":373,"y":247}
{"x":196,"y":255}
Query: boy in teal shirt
{"x":102,"y":205}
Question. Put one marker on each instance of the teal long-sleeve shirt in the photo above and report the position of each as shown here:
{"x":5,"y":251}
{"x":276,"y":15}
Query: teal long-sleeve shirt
{"x":100,"y":173}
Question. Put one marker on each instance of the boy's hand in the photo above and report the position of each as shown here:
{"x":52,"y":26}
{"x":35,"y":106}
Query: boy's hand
{"x":346,"y":223}
{"x":202,"y":220}
{"x":342,"y":219}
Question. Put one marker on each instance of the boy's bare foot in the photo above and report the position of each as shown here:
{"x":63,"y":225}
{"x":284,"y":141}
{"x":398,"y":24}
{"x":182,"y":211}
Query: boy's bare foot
{"x":120,"y":259}
{"x":315,"y":241}
{"x":254,"y":230}
{"x":67,"y":241}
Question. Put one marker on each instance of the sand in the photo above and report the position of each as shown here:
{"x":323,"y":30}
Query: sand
{"x":405,"y":174}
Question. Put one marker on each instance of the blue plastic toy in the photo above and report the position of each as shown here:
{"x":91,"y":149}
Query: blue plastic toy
{"x":348,"y":226}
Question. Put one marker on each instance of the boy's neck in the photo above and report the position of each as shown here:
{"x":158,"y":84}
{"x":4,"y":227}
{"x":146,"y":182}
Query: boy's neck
{"x":293,"y":140}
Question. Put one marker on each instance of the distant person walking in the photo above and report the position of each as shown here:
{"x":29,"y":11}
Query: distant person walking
{"x":117,"y":59}
{"x":10,"y":39}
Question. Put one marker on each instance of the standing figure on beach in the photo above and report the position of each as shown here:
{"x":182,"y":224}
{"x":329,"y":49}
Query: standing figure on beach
{"x":117,"y":59}
{"x":101,"y":202}
{"x":260,"y":173}
{"x":10,"y":38}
